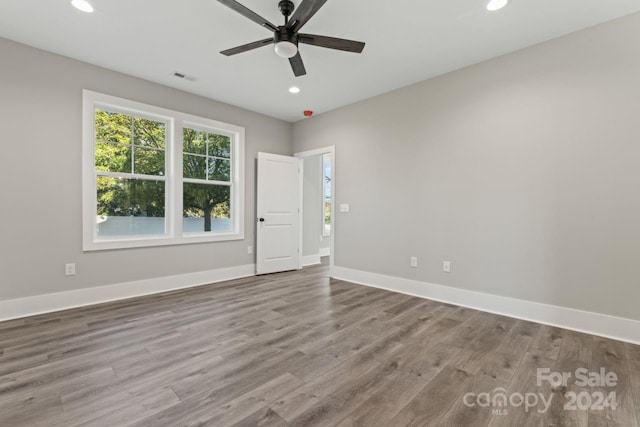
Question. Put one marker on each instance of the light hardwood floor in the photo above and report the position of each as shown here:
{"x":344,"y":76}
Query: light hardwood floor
{"x":294,"y":349}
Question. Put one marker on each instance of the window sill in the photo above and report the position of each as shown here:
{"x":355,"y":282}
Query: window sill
{"x":115,"y":244}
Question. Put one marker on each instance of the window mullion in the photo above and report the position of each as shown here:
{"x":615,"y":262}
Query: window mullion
{"x":206,"y":162}
{"x":133,"y":150}
{"x":175,"y":194}
{"x":207,"y":182}
{"x":126,"y":175}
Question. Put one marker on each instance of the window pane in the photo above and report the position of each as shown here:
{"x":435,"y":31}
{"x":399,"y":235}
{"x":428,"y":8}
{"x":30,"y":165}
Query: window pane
{"x":194,"y":166}
{"x":219,"y":145}
{"x":326,"y":161}
{"x":327,"y":215}
{"x":148,"y":161}
{"x":149,"y":133}
{"x":114,"y":127}
{"x":219,"y":169}
{"x":206,"y":208}
{"x":194,"y":141}
{"x":113,"y":157}
{"x":128,"y":207}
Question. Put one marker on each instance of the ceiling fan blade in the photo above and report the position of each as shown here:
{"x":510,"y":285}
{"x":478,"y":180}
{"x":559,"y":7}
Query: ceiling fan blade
{"x":246,"y":47}
{"x":303,"y":13}
{"x":331,"y":42}
{"x":297,"y":65}
{"x":248,"y":13}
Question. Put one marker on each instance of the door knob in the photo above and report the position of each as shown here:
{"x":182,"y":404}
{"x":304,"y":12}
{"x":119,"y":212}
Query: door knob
{"x":261,"y":220}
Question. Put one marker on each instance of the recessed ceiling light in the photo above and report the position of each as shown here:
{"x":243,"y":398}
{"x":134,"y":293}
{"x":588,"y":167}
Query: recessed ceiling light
{"x":82,"y":5}
{"x":494,"y":5}
{"x":294,"y":89}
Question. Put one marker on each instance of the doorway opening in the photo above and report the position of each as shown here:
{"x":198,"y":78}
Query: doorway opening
{"x":318,"y":212}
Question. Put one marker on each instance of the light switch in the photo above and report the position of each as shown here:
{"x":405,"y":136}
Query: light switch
{"x":344,"y":207}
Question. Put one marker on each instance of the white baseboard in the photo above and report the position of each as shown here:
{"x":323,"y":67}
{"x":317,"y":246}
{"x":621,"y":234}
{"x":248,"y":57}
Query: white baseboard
{"x":617,"y":328}
{"x":39,"y":304}
{"x":325,"y":252}
{"x":310,"y":260}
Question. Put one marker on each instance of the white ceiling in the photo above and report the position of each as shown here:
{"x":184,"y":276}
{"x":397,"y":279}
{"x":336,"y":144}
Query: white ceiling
{"x":407,"y":41}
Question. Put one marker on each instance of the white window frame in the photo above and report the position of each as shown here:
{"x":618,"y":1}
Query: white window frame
{"x":175,"y":121}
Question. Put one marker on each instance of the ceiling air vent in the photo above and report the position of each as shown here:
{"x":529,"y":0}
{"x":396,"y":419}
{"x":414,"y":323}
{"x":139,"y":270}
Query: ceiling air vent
{"x":183,"y":76}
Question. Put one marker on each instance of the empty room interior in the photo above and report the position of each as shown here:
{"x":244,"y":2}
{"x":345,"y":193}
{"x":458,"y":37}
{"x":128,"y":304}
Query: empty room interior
{"x":320,"y":213}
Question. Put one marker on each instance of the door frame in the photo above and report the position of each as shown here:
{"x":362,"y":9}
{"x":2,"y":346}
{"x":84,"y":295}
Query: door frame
{"x":331,"y":149}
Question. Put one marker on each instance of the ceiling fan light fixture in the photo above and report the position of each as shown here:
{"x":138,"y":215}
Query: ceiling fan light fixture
{"x":494,"y":5}
{"x":286,"y":37}
{"x":82,"y":5}
{"x":286,"y":49}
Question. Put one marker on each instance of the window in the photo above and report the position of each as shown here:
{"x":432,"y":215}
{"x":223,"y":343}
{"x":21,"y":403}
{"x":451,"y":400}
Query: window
{"x":207,"y":186}
{"x":157,"y":177}
{"x":326,"y":195}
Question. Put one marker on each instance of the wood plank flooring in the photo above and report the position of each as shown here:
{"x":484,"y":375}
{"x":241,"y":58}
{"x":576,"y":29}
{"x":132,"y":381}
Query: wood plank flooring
{"x":296,"y":349}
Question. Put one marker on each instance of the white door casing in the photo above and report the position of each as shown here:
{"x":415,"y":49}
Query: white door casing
{"x":279,"y":210}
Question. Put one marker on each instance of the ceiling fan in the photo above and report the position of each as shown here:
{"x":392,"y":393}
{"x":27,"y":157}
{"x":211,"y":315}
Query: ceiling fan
{"x":286,"y":37}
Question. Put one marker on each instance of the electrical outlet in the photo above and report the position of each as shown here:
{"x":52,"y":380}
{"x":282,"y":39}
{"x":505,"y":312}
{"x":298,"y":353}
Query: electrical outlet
{"x":249,"y":250}
{"x":414,"y":262}
{"x":70,"y":269}
{"x":446,"y":266}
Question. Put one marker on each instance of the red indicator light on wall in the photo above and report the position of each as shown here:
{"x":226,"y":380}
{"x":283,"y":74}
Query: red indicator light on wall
{"x":308,"y":113}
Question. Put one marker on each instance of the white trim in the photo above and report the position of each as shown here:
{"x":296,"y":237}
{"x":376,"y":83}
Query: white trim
{"x":300,"y":211}
{"x":617,"y":328}
{"x":316,"y":151}
{"x":325,"y":252}
{"x":334,"y":175}
{"x":39,"y":304}
{"x":308,"y":260}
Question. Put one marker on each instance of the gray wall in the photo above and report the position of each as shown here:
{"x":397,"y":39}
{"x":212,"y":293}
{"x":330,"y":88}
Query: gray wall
{"x":311,"y":211}
{"x":523,"y":171}
{"x":40,"y":214}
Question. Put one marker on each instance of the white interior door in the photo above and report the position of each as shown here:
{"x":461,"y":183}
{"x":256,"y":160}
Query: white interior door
{"x":279,"y":205}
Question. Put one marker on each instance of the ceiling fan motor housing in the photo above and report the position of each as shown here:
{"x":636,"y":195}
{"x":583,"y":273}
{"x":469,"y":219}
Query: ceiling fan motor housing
{"x":285,"y":35}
